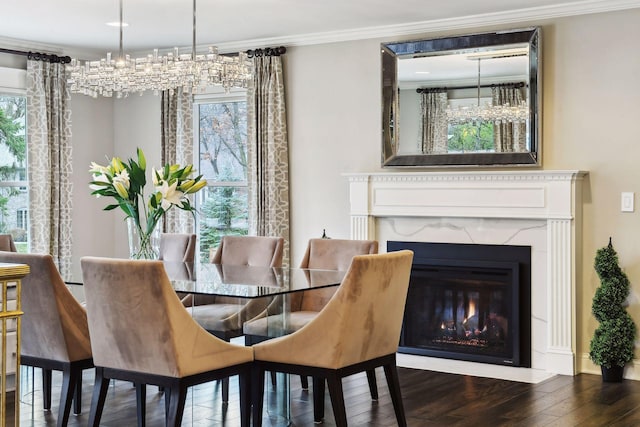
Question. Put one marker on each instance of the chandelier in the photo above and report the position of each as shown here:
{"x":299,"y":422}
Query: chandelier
{"x":192,"y":72}
{"x":497,"y":114}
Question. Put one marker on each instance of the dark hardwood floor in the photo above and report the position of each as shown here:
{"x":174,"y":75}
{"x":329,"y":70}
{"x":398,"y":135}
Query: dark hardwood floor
{"x":430,"y":399}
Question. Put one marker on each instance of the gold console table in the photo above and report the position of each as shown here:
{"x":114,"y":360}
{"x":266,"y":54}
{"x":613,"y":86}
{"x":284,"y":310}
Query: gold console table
{"x":10,"y":312}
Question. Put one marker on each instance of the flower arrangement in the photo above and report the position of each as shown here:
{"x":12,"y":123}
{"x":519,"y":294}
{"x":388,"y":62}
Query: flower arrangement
{"x":125,"y":182}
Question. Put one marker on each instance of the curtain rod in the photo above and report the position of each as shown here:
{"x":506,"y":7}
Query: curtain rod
{"x":442,"y":89}
{"x":38,"y":56}
{"x":267,"y":51}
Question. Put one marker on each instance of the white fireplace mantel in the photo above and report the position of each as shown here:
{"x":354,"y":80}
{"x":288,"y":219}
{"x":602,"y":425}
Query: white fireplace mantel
{"x":553,"y":197}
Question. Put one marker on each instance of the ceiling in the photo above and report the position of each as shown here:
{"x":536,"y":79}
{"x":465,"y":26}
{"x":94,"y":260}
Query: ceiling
{"x":80,"y":25}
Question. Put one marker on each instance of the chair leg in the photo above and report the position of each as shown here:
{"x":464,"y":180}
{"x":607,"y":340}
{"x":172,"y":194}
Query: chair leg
{"x":100,"y":388}
{"x":273,"y":378}
{"x":225,"y":390}
{"x":373,"y":385}
{"x":318,"y":399}
{"x":141,"y":403}
{"x":167,"y":402}
{"x":304,"y":382}
{"x":257,"y":394}
{"x":176,"y":405}
{"x":244,"y":380}
{"x":77,"y":397}
{"x":393,"y":383}
{"x":69,"y":380}
{"x":337,"y":399}
{"x":46,"y":388}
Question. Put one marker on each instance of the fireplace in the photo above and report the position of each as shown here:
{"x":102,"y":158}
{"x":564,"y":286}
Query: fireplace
{"x":468,"y":302}
{"x":540,"y":209}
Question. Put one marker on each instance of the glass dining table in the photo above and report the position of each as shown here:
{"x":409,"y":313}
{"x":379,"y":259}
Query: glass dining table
{"x":275,"y":285}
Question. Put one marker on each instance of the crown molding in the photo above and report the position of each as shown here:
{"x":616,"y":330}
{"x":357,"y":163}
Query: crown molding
{"x":464,"y":22}
{"x":24,"y":45}
{"x":518,"y":16}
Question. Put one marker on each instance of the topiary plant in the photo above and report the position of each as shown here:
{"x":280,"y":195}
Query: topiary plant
{"x":612,"y":344}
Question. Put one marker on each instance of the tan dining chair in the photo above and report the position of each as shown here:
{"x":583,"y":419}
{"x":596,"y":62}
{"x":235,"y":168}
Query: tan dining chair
{"x":325,"y":254}
{"x":177,"y":247}
{"x":224,"y":316}
{"x":6,"y":243}
{"x":55,"y":334}
{"x":358,"y":330}
{"x":145,"y":335}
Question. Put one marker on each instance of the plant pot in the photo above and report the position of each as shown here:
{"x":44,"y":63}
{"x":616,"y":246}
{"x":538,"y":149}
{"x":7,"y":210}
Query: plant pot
{"x":613,"y":374}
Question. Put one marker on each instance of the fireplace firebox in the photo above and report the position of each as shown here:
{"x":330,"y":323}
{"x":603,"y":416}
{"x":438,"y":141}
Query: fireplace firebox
{"x":468,"y":302}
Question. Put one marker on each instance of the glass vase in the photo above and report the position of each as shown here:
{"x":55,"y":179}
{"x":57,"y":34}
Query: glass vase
{"x":143,"y":245}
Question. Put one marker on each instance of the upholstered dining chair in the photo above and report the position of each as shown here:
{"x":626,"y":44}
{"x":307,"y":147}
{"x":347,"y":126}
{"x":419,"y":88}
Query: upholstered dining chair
{"x":325,"y":254}
{"x":6,"y":243}
{"x":224,"y":316}
{"x":358,"y":330}
{"x":178,"y":247}
{"x":145,"y":335}
{"x":55,"y":334}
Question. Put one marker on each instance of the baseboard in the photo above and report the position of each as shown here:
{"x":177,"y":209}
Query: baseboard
{"x":459,"y":367}
{"x":631,"y":371}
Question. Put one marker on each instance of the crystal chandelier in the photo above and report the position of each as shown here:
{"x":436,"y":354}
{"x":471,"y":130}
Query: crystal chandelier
{"x":124,"y":75}
{"x":488,"y":113}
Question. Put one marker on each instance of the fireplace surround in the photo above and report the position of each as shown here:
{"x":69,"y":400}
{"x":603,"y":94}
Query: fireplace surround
{"x":540,"y":209}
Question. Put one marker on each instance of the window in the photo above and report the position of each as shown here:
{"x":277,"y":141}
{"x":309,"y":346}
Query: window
{"x":470,"y":137}
{"x":221,"y":126}
{"x":14,"y":199}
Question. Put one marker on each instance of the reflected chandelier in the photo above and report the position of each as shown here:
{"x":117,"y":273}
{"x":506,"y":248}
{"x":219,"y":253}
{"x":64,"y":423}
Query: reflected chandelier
{"x":488,"y":113}
{"x":192,"y":72}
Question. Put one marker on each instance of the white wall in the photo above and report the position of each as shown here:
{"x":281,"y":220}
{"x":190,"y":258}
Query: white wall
{"x":92,"y":139}
{"x":136,"y":124}
{"x":103,"y":128}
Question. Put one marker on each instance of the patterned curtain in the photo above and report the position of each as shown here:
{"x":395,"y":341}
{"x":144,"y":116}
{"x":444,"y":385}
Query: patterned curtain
{"x":434,"y":121}
{"x":49,"y":162}
{"x":268,"y":152}
{"x":177,"y":147}
{"x":509,"y":137}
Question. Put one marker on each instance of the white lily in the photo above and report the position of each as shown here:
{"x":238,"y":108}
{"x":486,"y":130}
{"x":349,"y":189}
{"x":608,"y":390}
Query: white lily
{"x":122,"y":177}
{"x":170,"y":195}
{"x":96,"y":168}
{"x":99,"y":178}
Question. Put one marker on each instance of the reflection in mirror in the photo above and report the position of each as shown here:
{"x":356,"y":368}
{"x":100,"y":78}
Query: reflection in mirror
{"x":468,"y":100}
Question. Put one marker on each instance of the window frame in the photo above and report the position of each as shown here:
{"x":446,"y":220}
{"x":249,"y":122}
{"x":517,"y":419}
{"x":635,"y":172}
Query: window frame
{"x":235,"y":95}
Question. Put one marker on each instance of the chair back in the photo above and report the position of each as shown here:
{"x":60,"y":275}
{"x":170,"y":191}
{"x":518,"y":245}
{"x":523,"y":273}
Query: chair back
{"x":137,"y":322}
{"x":250,"y":250}
{"x":6,"y":243}
{"x":335,"y":254}
{"x":361,"y":322}
{"x":329,"y":254}
{"x":54,"y":325}
{"x":258,"y":251}
{"x":178,"y":247}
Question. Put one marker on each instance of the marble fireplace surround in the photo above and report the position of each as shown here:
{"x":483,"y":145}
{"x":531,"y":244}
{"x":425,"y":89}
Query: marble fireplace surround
{"x":540,"y":209}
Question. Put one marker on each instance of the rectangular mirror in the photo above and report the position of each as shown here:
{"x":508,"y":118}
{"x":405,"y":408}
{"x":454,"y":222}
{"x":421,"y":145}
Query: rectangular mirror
{"x":469,"y":100}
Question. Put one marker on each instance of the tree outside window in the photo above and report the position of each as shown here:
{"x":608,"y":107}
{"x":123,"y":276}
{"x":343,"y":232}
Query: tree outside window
{"x":223,"y":204}
{"x":14,"y":199}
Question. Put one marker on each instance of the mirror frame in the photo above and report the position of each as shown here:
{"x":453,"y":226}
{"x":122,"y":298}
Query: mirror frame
{"x":391,"y":111}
